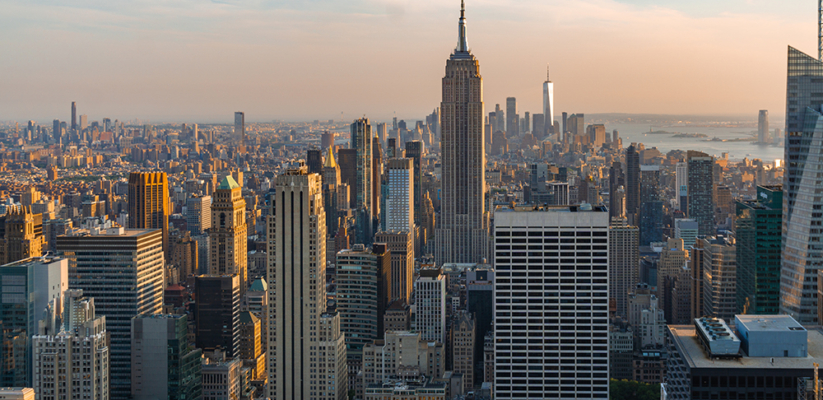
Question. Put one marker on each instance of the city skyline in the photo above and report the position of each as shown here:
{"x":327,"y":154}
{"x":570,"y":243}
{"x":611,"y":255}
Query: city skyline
{"x":180,"y":63}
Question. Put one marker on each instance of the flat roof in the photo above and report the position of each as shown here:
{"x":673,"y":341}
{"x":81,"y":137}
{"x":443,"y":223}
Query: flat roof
{"x":769,"y":323}
{"x":688,"y":343}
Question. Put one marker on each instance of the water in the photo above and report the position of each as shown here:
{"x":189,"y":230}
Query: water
{"x":665,"y":142}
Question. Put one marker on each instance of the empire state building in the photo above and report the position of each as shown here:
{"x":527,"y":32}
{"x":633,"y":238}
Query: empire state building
{"x":463,"y":234}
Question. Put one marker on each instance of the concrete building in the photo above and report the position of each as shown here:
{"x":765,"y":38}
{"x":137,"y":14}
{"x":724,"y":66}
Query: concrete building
{"x":72,"y":355}
{"x":402,"y":354}
{"x":462,"y":235}
{"x":553,"y":304}
{"x":122,"y":269}
{"x":407,"y":389}
{"x":297,"y":250}
{"x":401,"y":246}
{"x":217,"y":315}
{"x":23,"y":235}
{"x":397,"y":317}
{"x":221,"y":380}
{"x":228,"y":235}
{"x":463,"y":339}
{"x":708,"y":359}
{"x":251,"y":346}
{"x":163,"y":364}
{"x":719,"y":277}
{"x":198,"y":214}
{"x":149,"y":203}
{"x":429,"y":309}
{"x":16,"y":393}
{"x":686,"y":229}
{"x":624,"y":261}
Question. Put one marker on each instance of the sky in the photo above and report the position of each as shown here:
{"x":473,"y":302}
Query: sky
{"x":200,"y":60}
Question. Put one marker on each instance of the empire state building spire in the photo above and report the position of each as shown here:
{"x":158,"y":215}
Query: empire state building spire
{"x":462,"y":41}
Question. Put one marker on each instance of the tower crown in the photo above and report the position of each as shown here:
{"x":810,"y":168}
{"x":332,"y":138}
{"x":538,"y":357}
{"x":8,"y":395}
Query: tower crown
{"x":462,"y":49}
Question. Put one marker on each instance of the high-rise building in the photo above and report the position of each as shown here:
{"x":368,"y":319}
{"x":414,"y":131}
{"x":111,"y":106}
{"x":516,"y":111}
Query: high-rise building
{"x":228,"y":234}
{"x":557,"y":308}
{"x":314,"y":160}
{"x":463,"y":234}
{"x":361,"y":143}
{"x":632,"y":183}
{"x":30,"y":286}
{"x":123,"y":271}
{"x":401,"y":246}
{"x":163,"y":364}
{"x":617,"y":182}
{"x":331,"y":187}
{"x":72,"y":363}
{"x":400,"y":200}
{"x":149,"y":203}
{"x":327,"y":140}
{"x":719,"y":277}
{"x":402,"y":353}
{"x":624,"y":261}
{"x":763,"y":127}
{"x":430,"y":305}
{"x":297,"y":295}
{"x":23,"y":237}
{"x":480,"y":302}
{"x":687,"y":230}
{"x":700,"y":191}
{"x":251,"y":344}
{"x":682,"y":186}
{"x":802,"y":247}
{"x":376,"y":182}
{"x":73,"y":116}
{"x":650,"y":216}
{"x":672,"y":260}
{"x":463,"y":340}
{"x":758,"y":231}
{"x":548,"y":106}
{"x":198,"y":214}
{"x":512,"y":118}
{"x":363,"y":290}
{"x":217,"y":315}
{"x":240,"y":127}
{"x":56,"y":131}
{"x":84,"y":122}
{"x":414,"y":150}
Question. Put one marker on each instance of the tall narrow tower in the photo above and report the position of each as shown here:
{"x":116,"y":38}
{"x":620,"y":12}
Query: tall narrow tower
{"x":149,"y":203}
{"x":463,"y":235}
{"x":548,"y":104}
{"x":240,"y":127}
{"x":227,"y":236}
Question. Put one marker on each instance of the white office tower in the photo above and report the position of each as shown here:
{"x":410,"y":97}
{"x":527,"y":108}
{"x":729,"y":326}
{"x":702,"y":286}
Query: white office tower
{"x":297,"y":293}
{"x":551,"y":303}
{"x":548,"y":104}
{"x":400,"y":199}
{"x":682,"y":183}
{"x":430,"y":305}
{"x":71,"y":357}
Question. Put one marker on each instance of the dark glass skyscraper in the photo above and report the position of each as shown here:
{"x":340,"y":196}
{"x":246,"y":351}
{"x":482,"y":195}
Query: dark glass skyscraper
{"x":650,"y":215}
{"x":701,"y":191}
{"x":361,"y":141}
{"x":632,"y":183}
{"x":802,"y":247}
{"x":758,"y":226}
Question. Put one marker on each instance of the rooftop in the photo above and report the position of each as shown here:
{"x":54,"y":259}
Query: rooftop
{"x":769,"y":323}
{"x":687,"y":341}
{"x":545,"y":208}
{"x":228,"y":183}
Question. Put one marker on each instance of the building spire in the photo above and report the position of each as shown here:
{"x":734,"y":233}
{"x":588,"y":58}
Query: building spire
{"x":462,"y":41}
{"x":547,"y":73}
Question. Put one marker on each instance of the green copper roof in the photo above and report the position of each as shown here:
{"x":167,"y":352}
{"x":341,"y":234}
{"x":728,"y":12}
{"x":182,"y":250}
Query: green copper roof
{"x":259,"y":285}
{"x":228,"y":183}
{"x":247,"y":316}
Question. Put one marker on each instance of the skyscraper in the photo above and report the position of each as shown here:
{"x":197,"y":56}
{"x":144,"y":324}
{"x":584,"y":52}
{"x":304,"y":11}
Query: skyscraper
{"x":240,"y":127}
{"x":401,"y":246}
{"x":314,"y":160}
{"x":632,"y":183}
{"x":512,"y":118}
{"x":123,"y":271}
{"x":763,"y":127}
{"x":198,"y":214}
{"x":561,"y":324}
{"x":218,"y":313}
{"x":624,"y":259}
{"x":361,"y":142}
{"x":163,"y":364}
{"x":149,"y":203}
{"x":297,"y":295}
{"x":430,"y":305}
{"x":758,"y":230}
{"x":73,"y":116}
{"x":414,"y":150}
{"x":400,"y":203}
{"x":227,"y":236}
{"x":682,"y":186}
{"x":802,"y":247}
{"x":23,"y":236}
{"x":650,"y":215}
{"x":719,"y":277}
{"x":548,"y":106}
{"x":463,"y":234}
{"x":616,"y":182}
{"x":701,"y":190}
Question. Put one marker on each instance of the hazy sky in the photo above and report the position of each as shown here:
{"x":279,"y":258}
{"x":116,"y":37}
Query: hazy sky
{"x":197,"y":60}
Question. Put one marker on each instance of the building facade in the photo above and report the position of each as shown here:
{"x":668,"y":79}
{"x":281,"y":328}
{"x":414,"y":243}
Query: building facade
{"x":163,"y":364}
{"x":228,"y":235}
